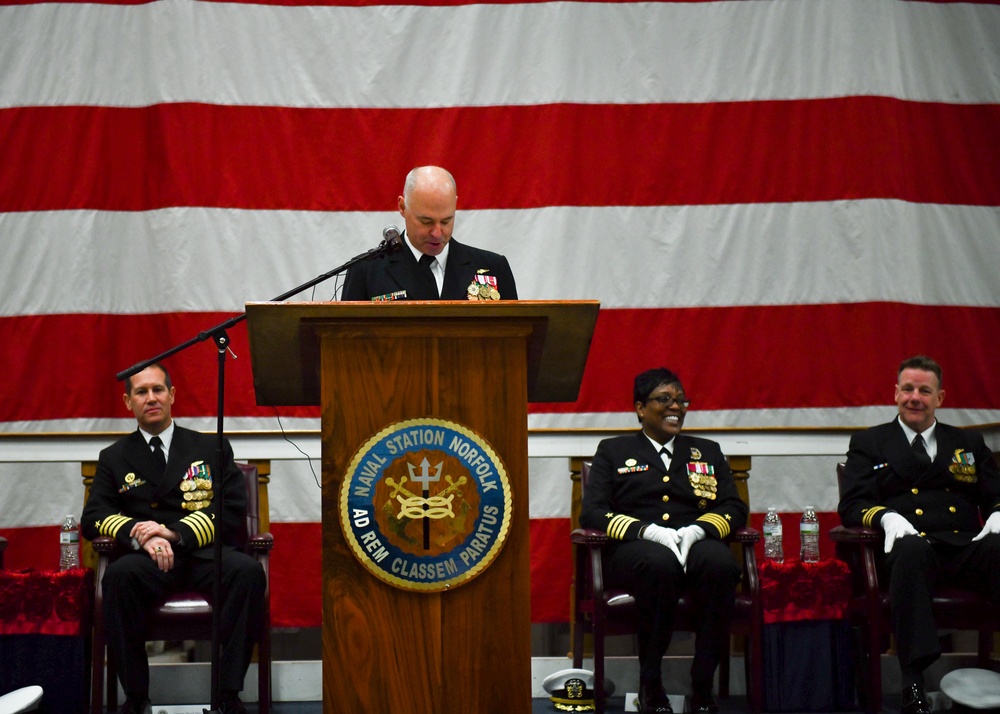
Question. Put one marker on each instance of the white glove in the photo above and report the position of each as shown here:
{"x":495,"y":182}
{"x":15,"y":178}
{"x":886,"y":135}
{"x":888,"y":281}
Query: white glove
{"x":992,"y":525}
{"x":895,"y":527}
{"x":688,"y":536}
{"x":663,"y":536}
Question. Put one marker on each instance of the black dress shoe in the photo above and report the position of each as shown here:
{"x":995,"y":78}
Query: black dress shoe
{"x":136,"y":706}
{"x":654,"y":700}
{"x":914,"y":701}
{"x":704,"y":704}
{"x":229,"y":703}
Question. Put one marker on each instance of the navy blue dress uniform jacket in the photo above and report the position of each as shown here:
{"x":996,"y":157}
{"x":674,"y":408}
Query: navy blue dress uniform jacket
{"x":127,"y":489}
{"x":400,"y":277}
{"x":629,"y":487}
{"x":946,"y":501}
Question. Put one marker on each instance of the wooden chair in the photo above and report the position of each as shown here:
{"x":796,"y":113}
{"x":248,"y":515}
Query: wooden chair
{"x":863,"y":550}
{"x":186,"y":615}
{"x":602,"y":611}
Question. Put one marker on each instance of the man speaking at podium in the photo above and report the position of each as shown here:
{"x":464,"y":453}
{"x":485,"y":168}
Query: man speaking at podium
{"x":431,"y":266}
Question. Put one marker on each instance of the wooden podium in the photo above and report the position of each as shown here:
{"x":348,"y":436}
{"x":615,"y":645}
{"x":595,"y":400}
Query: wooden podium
{"x":369,"y":365}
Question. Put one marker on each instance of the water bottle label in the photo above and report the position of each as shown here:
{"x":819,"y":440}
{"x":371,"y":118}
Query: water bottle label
{"x":809,"y":529}
{"x":69,"y":538}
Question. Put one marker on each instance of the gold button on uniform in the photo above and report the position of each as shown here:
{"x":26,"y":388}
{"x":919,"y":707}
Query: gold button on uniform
{"x":914,"y":491}
{"x":666,"y":516}
{"x":952,"y":509}
{"x":919,"y":511}
{"x":665,"y":479}
{"x":666,"y":498}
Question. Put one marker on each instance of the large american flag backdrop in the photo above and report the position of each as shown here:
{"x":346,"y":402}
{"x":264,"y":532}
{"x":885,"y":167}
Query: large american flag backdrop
{"x":778,"y":199}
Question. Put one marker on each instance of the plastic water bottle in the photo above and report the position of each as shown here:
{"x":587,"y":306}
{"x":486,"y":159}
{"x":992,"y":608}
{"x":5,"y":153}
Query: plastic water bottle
{"x":809,"y":534}
{"x":772,"y":536}
{"x":69,"y":544}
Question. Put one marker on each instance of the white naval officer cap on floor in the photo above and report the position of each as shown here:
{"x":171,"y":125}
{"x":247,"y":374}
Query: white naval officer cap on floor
{"x":21,"y":700}
{"x":572,"y":690}
{"x":973,"y":688}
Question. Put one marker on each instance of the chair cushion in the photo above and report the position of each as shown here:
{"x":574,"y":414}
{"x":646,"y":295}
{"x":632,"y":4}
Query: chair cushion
{"x":184,"y":605}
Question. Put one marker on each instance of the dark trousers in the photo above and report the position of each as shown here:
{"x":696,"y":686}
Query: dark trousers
{"x":916,"y":566}
{"x":133,"y":584}
{"x":652,"y":573}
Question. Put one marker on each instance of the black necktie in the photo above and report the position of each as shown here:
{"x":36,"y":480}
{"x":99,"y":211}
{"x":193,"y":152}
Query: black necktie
{"x":665,"y":450}
{"x":920,"y":451}
{"x":427,"y":261}
{"x":161,"y":460}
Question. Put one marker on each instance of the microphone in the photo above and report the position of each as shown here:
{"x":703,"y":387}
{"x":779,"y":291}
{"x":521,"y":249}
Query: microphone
{"x":391,"y":240}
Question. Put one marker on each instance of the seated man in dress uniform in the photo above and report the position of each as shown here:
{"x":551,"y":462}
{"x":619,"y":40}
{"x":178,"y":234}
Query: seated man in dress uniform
{"x":929,"y":486}
{"x":154,"y":493}
{"x":668,"y":500}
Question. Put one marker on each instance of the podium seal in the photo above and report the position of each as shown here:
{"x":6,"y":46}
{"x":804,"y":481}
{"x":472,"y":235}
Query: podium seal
{"x":425,"y":505}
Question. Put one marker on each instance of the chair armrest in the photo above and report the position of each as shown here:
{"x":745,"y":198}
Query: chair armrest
{"x":104,"y":545}
{"x":745,"y":535}
{"x":862,"y":549}
{"x":588,"y":536}
{"x":859,"y":536}
{"x":261,"y":542}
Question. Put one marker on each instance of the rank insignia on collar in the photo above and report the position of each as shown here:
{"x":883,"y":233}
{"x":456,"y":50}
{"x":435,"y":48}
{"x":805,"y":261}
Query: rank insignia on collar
{"x":483,"y":286}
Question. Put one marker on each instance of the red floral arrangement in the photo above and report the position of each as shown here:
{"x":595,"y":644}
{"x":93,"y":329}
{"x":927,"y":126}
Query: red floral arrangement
{"x":45,"y":602}
{"x":794,"y":590}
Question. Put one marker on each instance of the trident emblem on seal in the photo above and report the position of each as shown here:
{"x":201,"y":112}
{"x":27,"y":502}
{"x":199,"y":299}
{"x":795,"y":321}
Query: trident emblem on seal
{"x":425,"y":479}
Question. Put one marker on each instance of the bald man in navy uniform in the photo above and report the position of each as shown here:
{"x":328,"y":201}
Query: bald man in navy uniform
{"x":668,"y":501}
{"x":431,"y":265}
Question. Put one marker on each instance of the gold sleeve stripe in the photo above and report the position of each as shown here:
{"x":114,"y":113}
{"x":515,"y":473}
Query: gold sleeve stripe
{"x":719,"y":522}
{"x":868,"y":516}
{"x":112,"y":524}
{"x":201,"y":524}
{"x":619,"y":524}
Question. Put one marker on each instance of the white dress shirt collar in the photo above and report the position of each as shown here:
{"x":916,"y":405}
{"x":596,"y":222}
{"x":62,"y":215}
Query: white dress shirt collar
{"x":166,"y":436}
{"x":930,"y":440}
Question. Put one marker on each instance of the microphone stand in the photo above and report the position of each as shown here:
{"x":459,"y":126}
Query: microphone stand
{"x":391,"y":243}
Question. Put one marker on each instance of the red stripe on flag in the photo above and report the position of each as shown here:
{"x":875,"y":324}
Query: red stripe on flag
{"x":755,"y":357}
{"x":35,"y":547}
{"x":87,"y":351}
{"x":296,"y":575}
{"x":650,"y":154}
{"x":774,"y":357}
{"x":551,"y":569}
